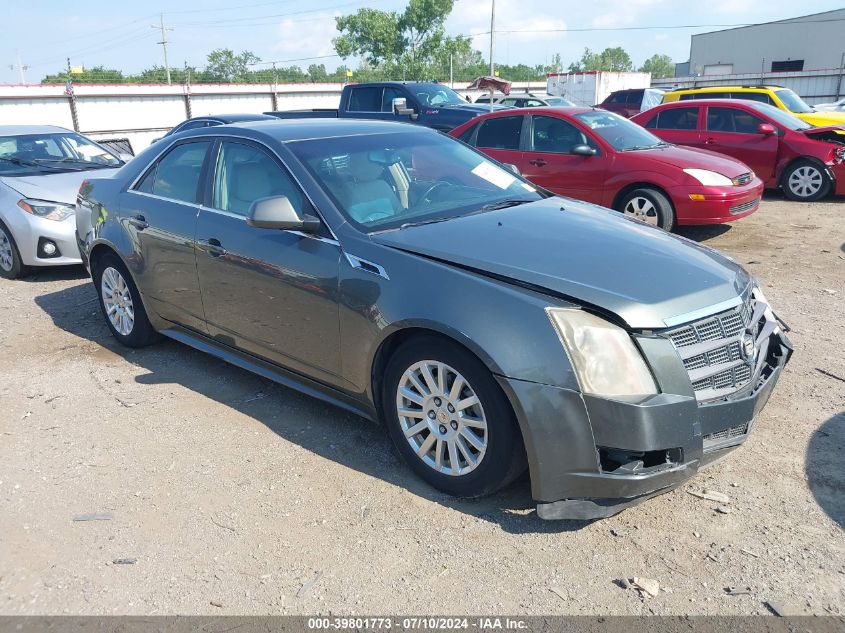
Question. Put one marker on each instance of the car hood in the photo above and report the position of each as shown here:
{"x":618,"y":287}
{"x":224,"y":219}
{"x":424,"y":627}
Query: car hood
{"x":584,"y":254}
{"x":59,"y":187}
{"x":691,"y":158}
{"x":822,"y":119}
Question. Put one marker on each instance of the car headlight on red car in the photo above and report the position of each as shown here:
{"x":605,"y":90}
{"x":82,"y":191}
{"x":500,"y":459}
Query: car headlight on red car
{"x":48,"y":210}
{"x":709,"y":178}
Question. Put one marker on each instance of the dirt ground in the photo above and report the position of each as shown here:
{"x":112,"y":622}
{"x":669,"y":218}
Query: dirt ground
{"x":236,"y":496}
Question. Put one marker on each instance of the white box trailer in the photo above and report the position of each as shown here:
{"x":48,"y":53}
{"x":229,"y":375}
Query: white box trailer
{"x":591,"y":88}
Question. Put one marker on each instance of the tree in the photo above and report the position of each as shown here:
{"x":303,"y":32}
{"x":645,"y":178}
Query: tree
{"x":613,"y":59}
{"x":659,"y":66}
{"x":407,"y":43}
{"x":224,"y":65}
{"x":95,"y":75}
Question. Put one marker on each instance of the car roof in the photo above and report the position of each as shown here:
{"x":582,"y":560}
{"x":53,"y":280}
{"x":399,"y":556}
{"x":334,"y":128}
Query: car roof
{"x":720,"y":88}
{"x":697,"y":102}
{"x":18,"y":130}
{"x":234,"y":118}
{"x":288,"y":130}
{"x":569,"y":111}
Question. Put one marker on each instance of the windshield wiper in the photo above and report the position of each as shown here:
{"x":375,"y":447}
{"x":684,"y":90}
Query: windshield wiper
{"x":422,"y":222}
{"x":637,"y":148}
{"x":19,"y":161}
{"x":504,"y":204}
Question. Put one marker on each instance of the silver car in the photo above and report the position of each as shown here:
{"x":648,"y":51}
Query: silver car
{"x":41,"y":170}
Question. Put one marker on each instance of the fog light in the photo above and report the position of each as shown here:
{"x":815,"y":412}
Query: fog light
{"x":49,"y":249}
{"x":696,"y":196}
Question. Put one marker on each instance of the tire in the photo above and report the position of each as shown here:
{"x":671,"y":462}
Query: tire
{"x":486,"y":431}
{"x":806,"y":181}
{"x":11,"y":266}
{"x":118,"y":293}
{"x":650,"y":206}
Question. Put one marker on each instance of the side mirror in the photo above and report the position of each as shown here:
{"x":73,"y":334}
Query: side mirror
{"x":512,"y":167}
{"x":400,"y":108}
{"x":583,"y":150}
{"x":766,"y":129}
{"x":276,"y":212}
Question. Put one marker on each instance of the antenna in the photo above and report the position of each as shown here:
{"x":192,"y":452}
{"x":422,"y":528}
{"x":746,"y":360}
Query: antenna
{"x":163,"y":42}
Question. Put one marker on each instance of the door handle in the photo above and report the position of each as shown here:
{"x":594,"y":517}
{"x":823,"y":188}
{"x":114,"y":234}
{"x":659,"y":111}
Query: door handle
{"x":213,"y":247}
{"x":710,"y":141}
{"x":139,"y":222}
{"x":539,"y":162}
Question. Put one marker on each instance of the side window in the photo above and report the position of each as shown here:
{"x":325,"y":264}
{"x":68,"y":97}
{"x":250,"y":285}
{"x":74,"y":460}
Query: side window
{"x":177,"y":174}
{"x":389,"y":95}
{"x":365,"y":99}
{"x":760,"y":97}
{"x":635,"y":97}
{"x":500,"y":133}
{"x":534,"y":103}
{"x":556,"y":136}
{"x":467,"y":135}
{"x":244,"y":174}
{"x":731,"y":120}
{"x":676,"y":119}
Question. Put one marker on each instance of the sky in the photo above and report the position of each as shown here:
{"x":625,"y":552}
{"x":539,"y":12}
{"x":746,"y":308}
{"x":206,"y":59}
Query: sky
{"x":121,"y":34}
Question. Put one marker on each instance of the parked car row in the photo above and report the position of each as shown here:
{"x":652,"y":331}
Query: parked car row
{"x":491,"y":325}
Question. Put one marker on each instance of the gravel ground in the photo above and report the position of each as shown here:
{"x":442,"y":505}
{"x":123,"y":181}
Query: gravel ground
{"x":236,"y":496}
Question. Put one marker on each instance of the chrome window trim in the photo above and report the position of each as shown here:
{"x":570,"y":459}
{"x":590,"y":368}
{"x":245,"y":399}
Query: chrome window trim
{"x":156,"y":197}
{"x":242,"y":218}
{"x":212,"y":137}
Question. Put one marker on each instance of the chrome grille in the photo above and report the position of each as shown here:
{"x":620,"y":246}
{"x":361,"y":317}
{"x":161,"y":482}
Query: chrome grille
{"x":711,"y":350}
{"x":745,"y":206}
{"x":743,"y":179}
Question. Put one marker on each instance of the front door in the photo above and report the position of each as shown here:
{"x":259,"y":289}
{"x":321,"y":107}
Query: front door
{"x":160,"y":216}
{"x":548,"y":160}
{"x":271,"y":293}
{"x":733,"y":131}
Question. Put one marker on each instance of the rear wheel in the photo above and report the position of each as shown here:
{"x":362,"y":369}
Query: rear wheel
{"x":449,"y":419}
{"x":11,"y":266}
{"x":805,"y":181}
{"x":121,"y":303}
{"x":649,"y":206}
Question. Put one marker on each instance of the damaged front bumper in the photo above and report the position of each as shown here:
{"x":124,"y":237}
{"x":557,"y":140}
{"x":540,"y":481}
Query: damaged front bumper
{"x":592,"y":457}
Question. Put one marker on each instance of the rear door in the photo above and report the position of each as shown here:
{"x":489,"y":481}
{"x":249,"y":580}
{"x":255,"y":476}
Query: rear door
{"x":678,"y":125}
{"x":732,"y":130}
{"x":549,"y":163}
{"x":501,"y":138}
{"x":269,"y":292}
{"x":160,"y":214}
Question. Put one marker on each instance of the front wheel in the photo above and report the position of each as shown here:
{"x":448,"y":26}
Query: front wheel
{"x":649,"y":206}
{"x":11,"y":266}
{"x":806,"y":182}
{"x":121,"y":303}
{"x":450,"y":420}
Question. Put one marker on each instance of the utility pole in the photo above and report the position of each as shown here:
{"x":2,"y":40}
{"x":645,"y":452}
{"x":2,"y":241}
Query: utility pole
{"x":22,"y":68}
{"x":71,"y":97}
{"x":492,"y":46}
{"x":841,"y":72}
{"x":163,"y":43}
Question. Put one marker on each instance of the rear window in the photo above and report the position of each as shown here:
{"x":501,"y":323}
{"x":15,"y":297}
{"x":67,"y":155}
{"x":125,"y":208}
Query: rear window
{"x":675,"y":119}
{"x":500,"y":133}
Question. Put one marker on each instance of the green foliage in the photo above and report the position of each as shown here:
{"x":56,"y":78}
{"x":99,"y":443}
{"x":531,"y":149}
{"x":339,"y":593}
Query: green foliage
{"x":659,"y":66}
{"x":612,"y":59}
{"x":225,"y":65}
{"x":95,"y":75}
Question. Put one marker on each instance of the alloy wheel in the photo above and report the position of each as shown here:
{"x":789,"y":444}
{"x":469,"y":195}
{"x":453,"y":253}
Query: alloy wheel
{"x":442,"y":418}
{"x":806,"y":181}
{"x":642,"y":209}
{"x":117,"y":300}
{"x":6,"y":255}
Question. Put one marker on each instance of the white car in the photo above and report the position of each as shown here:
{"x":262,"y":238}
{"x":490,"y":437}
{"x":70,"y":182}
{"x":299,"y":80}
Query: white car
{"x":836,"y":106}
{"x":41,"y":170}
{"x":527,"y":100}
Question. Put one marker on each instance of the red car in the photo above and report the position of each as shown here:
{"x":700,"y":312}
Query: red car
{"x":600,"y":157}
{"x":807,"y":162}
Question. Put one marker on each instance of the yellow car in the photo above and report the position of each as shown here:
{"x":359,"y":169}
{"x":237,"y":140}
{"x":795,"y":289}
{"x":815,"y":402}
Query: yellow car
{"x":782,"y":98}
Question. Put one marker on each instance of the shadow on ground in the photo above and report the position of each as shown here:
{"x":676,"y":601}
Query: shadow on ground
{"x":39,"y":274}
{"x":321,"y":428}
{"x":825,"y":468}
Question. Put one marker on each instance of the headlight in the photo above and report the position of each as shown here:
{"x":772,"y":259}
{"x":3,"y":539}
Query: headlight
{"x":48,"y":210}
{"x":709,"y":178}
{"x":604,"y":357}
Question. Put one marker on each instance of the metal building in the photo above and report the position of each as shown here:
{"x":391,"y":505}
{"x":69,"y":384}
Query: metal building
{"x":810,"y":42}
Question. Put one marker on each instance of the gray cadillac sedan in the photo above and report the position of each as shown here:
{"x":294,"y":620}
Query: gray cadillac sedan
{"x":400,"y":274}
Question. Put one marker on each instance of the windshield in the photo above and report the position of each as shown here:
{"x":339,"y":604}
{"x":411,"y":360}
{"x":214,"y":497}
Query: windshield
{"x":29,"y":154}
{"x":623,"y":135}
{"x":436,"y":95}
{"x":785,"y":119}
{"x":793,"y":102}
{"x":387,"y":181}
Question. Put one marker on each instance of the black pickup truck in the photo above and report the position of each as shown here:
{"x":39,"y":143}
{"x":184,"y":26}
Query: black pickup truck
{"x":427,"y":103}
